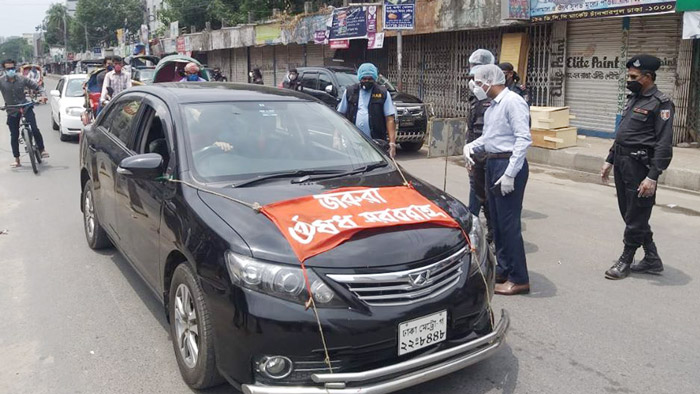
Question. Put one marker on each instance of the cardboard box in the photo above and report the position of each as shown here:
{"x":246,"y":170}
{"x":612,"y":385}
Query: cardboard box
{"x":549,"y":117}
{"x":554,"y":139}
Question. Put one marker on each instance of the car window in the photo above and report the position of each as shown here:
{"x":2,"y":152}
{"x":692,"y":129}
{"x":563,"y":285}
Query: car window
{"x":324,"y":80}
{"x":231,"y":141}
{"x":120,"y":120}
{"x":346,"y":79}
{"x":309,"y":81}
{"x":151,"y":134}
{"x":59,"y":87}
{"x":74,"y":88}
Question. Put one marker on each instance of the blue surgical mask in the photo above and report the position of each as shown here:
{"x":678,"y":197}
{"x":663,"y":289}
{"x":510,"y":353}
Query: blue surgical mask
{"x":193,"y":77}
{"x":110,"y":68}
{"x":11,"y":73}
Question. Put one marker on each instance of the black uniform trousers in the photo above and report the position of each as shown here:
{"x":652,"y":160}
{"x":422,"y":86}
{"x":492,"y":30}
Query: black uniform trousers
{"x":636,"y":211}
{"x":13,"y":123}
{"x":477,"y":192}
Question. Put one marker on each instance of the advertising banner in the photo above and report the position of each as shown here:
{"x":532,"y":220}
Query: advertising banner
{"x":174,"y":29}
{"x":553,"y":10}
{"x":320,"y":37}
{"x":180,"y":45}
{"x":349,"y":23}
{"x":399,"y":14}
{"x":268,"y":34}
{"x":318,"y":223}
{"x":340,"y":44}
{"x":691,"y":25}
{"x":375,"y":41}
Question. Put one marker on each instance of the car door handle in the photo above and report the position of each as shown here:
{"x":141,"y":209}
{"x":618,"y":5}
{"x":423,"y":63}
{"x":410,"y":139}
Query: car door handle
{"x":92,"y":148}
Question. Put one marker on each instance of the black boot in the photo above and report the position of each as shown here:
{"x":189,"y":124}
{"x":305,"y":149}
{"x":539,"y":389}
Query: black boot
{"x":651,"y":263}
{"x":621,"y":268}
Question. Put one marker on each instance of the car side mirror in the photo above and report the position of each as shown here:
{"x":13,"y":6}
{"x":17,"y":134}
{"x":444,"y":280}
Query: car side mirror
{"x":55,"y":93}
{"x":148,"y":166}
{"x":330,"y":90}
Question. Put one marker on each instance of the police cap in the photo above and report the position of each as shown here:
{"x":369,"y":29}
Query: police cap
{"x":645,"y":62}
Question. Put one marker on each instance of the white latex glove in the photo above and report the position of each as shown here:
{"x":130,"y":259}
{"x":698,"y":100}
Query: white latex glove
{"x":468,"y":153}
{"x":507,"y":184}
{"x":392,"y":150}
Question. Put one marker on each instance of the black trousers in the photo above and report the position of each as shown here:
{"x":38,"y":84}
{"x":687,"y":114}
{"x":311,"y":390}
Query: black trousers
{"x":477,"y":192}
{"x":13,"y":124}
{"x":635,"y":211}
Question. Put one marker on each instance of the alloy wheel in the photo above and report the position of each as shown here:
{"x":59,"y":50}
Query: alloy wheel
{"x":89,"y":212}
{"x":186,"y":326}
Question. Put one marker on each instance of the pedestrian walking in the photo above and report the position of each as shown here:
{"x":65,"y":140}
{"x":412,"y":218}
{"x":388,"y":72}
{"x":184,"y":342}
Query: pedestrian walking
{"x":479,"y":102}
{"x":115,"y":82}
{"x":368,"y":105}
{"x":513,"y":81}
{"x":641,"y":152}
{"x":505,"y":140}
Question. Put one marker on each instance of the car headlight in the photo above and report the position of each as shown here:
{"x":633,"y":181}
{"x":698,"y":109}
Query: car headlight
{"x":74,"y":111}
{"x":478,"y":238}
{"x":279,"y":281}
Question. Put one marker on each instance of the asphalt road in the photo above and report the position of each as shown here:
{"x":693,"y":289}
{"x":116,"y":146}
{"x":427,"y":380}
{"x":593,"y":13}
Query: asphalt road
{"x":76,"y":321}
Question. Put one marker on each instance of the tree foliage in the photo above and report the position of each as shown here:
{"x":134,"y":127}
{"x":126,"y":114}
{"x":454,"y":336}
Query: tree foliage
{"x":104,"y":17}
{"x":18,"y":49}
{"x":53,"y":24}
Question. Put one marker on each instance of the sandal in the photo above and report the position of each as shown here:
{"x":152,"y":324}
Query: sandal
{"x":15,"y":165}
{"x":44,"y":154}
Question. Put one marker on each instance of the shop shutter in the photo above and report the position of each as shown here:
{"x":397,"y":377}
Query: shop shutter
{"x":593,"y":73}
{"x":314,"y":55}
{"x":239,"y":65}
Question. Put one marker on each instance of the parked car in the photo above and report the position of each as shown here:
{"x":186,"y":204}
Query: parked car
{"x":67,"y":105}
{"x":229,"y":281}
{"x":328,"y":84}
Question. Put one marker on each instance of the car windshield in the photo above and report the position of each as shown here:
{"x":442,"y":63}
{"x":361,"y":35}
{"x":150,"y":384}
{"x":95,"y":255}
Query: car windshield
{"x":146,"y":74}
{"x":237,"y":141}
{"x":386,"y":83}
{"x":75,"y":88}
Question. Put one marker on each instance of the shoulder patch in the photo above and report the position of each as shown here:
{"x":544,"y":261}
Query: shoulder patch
{"x":665,"y":114}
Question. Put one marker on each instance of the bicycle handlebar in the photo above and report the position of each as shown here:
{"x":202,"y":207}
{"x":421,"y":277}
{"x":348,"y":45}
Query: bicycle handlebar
{"x":29,"y":104}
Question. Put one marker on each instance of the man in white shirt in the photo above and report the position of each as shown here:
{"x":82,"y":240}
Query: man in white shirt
{"x":505,"y":140}
{"x":115,"y":82}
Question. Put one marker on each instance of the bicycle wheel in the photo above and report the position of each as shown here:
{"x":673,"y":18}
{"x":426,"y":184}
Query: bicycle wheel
{"x":29,"y":146}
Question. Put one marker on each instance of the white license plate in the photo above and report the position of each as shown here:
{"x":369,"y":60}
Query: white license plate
{"x":422,"y":332}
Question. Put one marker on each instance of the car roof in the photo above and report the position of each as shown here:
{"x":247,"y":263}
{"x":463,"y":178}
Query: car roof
{"x":76,"y":76}
{"x":331,"y":68}
{"x":194,"y":92}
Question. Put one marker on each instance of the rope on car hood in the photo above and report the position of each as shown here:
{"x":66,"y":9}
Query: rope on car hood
{"x":254,"y":206}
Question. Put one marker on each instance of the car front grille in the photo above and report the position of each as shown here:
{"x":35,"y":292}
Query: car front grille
{"x":406,"y":287}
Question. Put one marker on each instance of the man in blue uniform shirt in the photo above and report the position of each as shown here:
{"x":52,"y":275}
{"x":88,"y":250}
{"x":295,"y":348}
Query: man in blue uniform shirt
{"x":369,"y":106}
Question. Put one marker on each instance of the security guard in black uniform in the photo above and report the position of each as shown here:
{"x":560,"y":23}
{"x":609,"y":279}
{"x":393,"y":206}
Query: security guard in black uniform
{"x":475,"y":127}
{"x":642,"y":150}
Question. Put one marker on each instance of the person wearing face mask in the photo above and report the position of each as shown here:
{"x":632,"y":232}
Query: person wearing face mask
{"x":478,"y":104}
{"x":513,"y":81}
{"x":505,"y":140}
{"x":192,"y":73}
{"x":115,"y":82}
{"x":293,"y":80}
{"x":369,"y":106}
{"x":641,"y":152}
{"x":12,"y":87}
{"x":256,"y":77}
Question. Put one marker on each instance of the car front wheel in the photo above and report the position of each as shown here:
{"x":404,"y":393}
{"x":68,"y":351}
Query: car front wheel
{"x":53,"y":123}
{"x":94,"y":232}
{"x":411,"y":146}
{"x":191,"y":331}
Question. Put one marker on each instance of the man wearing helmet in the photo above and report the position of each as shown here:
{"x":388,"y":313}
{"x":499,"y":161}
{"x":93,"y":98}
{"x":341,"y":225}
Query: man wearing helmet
{"x":192,"y":73}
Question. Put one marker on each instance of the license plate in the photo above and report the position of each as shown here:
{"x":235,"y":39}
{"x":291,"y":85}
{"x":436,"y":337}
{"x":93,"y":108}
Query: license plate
{"x":406,"y":122}
{"x":422,"y":332}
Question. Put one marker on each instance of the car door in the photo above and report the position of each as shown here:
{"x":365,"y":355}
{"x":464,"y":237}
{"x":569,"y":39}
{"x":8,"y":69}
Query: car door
{"x":327,"y":91}
{"x":113,"y":134}
{"x":55,"y":101}
{"x":140,"y":201}
{"x":309,"y":83}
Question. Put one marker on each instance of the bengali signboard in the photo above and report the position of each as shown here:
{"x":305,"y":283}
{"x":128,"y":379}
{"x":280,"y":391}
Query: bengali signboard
{"x":399,"y":14}
{"x":349,"y":23}
{"x":554,"y":10}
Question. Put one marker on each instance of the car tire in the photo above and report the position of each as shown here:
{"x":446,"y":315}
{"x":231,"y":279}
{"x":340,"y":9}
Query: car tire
{"x":187,"y":308}
{"x":54,"y":124}
{"x":94,"y":232}
{"x":411,"y":146}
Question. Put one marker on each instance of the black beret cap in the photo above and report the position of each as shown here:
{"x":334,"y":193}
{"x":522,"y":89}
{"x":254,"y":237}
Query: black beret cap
{"x":645,"y":62}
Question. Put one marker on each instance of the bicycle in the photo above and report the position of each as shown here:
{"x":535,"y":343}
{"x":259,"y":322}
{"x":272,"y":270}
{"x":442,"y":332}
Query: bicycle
{"x":26,"y":136}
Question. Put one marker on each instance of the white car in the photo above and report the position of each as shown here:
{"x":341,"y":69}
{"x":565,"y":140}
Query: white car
{"x":67,"y":104}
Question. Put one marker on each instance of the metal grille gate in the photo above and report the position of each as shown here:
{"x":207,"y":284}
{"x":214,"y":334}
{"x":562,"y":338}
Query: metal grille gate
{"x":538,"y":64}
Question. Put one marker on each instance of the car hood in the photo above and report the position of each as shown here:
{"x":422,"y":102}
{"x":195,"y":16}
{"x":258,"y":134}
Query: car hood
{"x":369,"y":248}
{"x":404,"y":98}
{"x":66,"y":102}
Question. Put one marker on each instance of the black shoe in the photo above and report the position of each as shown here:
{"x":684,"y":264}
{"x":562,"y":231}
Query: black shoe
{"x":621,"y":268}
{"x":651,"y":263}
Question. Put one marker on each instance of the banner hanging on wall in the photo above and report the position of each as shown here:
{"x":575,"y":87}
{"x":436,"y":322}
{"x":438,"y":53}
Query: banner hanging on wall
{"x":554,"y":10}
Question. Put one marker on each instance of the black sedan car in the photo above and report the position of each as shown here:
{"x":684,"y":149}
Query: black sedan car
{"x":169,"y":174}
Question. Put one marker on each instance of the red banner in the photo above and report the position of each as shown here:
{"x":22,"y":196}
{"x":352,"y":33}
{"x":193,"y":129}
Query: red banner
{"x":315,"y":224}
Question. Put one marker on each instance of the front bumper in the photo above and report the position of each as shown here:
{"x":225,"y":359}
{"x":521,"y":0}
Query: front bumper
{"x":71,"y":125}
{"x":401,"y":375}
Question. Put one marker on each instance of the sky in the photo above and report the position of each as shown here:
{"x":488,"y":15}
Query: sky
{"x":22,"y":16}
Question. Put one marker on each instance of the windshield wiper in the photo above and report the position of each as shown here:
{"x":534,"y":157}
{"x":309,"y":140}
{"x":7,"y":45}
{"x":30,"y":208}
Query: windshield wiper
{"x":363,"y":169}
{"x":285,"y":174}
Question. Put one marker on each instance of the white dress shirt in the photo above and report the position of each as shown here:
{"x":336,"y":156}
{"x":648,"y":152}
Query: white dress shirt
{"x":506,"y":129}
{"x":117,"y":82}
